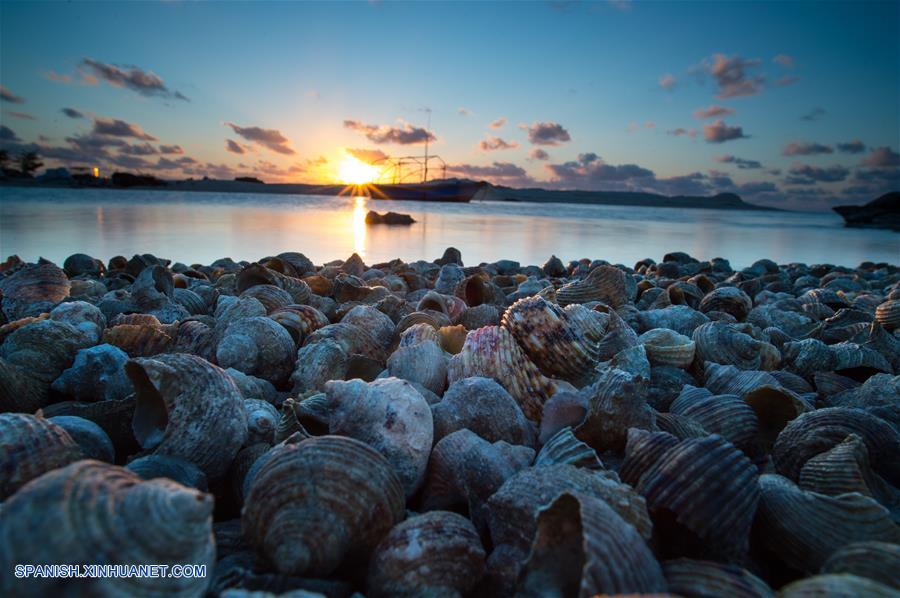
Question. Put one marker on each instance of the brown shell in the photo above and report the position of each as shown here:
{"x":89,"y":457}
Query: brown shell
{"x":478,"y":289}
{"x":313,"y":504}
{"x":33,"y":289}
{"x":667,"y":347}
{"x":141,"y":340}
{"x":93,"y":513}
{"x":730,"y":300}
{"x":32,"y":446}
{"x":888,"y":314}
{"x":11,"y":327}
{"x":418,"y":333}
{"x":195,"y":338}
{"x":450,"y":305}
{"x":319,"y":284}
{"x":492,"y":352}
{"x":878,"y":561}
{"x":841,"y":585}
{"x":605,"y":554}
{"x":593,"y":324}
{"x":188,"y":408}
{"x":688,"y":577}
{"x":556,"y":346}
{"x":436,"y":553}
{"x":607,"y":284}
{"x":452,"y":338}
{"x":353,"y":339}
{"x":710,"y":489}
{"x":805,"y":528}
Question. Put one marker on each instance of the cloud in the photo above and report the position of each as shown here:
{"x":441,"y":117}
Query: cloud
{"x":538,"y":154}
{"x":886,"y":175}
{"x":22,"y":115}
{"x":547,"y":133}
{"x":495,"y":143}
{"x":498,"y":124}
{"x":739,"y":162}
{"x":114,"y":127}
{"x":851,"y":147}
{"x":7,"y":134}
{"x":784,"y":60}
{"x":53,"y":76}
{"x":881,"y":157}
{"x":8,"y":96}
{"x":786,"y":80}
{"x":170,"y":149}
{"x":668,"y":82}
{"x":719,"y":132}
{"x":589,"y":171}
{"x":649,"y":125}
{"x":732,"y":75}
{"x":139,"y":149}
{"x":501,"y":173}
{"x":815,"y":114}
{"x":806,"y":148}
{"x":367,"y":155}
{"x":403,"y":135}
{"x":268,"y":138}
{"x":682,"y":131}
{"x":72,"y":113}
{"x":832,"y":174}
{"x":234,"y":147}
{"x":712,"y":112}
{"x":132,"y":77}
{"x":463,"y":111}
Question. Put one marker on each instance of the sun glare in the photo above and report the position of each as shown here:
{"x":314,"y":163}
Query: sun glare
{"x":353,"y":171}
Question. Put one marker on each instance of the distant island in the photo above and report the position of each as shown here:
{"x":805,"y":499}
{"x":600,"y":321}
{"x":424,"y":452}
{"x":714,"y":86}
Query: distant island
{"x":883,"y":212}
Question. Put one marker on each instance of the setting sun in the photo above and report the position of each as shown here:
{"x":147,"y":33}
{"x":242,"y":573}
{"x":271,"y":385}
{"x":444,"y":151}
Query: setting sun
{"x":353,"y":171}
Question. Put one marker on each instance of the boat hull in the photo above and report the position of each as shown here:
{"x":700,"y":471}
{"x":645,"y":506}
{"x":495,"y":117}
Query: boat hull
{"x":445,"y":192}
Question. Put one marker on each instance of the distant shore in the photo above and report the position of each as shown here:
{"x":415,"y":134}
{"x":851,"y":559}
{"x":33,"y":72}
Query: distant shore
{"x":722,"y":201}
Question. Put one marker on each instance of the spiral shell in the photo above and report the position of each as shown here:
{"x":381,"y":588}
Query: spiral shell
{"x":492,"y":352}
{"x":376,"y":323}
{"x":878,"y":561}
{"x":607,"y":284}
{"x":97,"y":374}
{"x":437,"y":553}
{"x":448,"y":279}
{"x":148,"y":338}
{"x":730,"y":300}
{"x":612,"y":558}
{"x":314,"y":503}
{"x":257,"y":346}
{"x":188,"y":408}
{"x":262,"y":418}
{"x":805,"y":528}
{"x":317,"y":364}
{"x":86,"y":318}
{"x":729,"y":380}
{"x":667,"y":347}
{"x":32,"y":446}
{"x":688,"y":577}
{"x":477,"y":289}
{"x":33,"y":289}
{"x":450,"y":305}
{"x":353,"y":339}
{"x":87,"y":515}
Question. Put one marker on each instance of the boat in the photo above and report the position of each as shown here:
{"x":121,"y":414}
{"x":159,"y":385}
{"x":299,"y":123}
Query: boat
{"x":445,"y":191}
{"x":883,"y":212}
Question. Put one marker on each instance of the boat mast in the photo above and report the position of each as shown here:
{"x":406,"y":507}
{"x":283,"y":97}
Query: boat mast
{"x":427,"y":135}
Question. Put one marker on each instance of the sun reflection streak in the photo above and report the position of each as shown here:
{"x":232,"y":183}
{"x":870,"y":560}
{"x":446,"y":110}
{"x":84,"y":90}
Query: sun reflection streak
{"x":359,"y":226}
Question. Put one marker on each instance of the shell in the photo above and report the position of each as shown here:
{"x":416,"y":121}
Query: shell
{"x":113,"y":417}
{"x":97,"y":374}
{"x":616,"y":402}
{"x":195,"y":338}
{"x":837,"y":586}
{"x":723,"y":343}
{"x":774,"y":407}
{"x":730,"y":300}
{"x":391,"y":416}
{"x":680,"y":318}
{"x":888,"y":314}
{"x":418,"y":333}
{"x":556,"y":346}
{"x":593,"y":324}
{"x":33,"y":289}
{"x":619,"y":336}
{"x":668,"y":348}
{"x":80,"y":264}
{"x":91,"y":439}
{"x":485,"y":408}
{"x":262,"y":418}
{"x":312,"y":504}
{"x":437,"y":553}
{"x":492,"y":352}
{"x":680,"y":426}
{"x":353,"y":339}
{"x":726,"y":415}
{"x":317,"y":364}
{"x":605,"y":283}
{"x":480,"y":315}
{"x":87,"y":319}
{"x":20,"y":392}
{"x":710,"y":489}
{"x":450,"y":305}
{"x":564,"y":409}
{"x":807,"y":357}
{"x":448,"y":279}
{"x":88,"y":513}
{"x":729,"y":380}
{"x":141,"y":340}
{"x":188,"y":408}
{"x":642,"y":450}
{"x":478,"y":289}
{"x":191,"y":301}
{"x":299,"y":320}
{"x":378,"y":324}
{"x":804,"y":528}
{"x":821,"y":430}
{"x":610,"y":557}
{"x":424,"y":362}
{"x":184,"y":472}
{"x":878,"y":561}
{"x":32,"y":446}
{"x":452,"y":338}
{"x":688,"y":577}
{"x":272,"y":297}
{"x":564,"y":447}
{"x":257,"y":346}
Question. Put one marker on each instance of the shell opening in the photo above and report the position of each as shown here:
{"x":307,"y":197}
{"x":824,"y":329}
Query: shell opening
{"x":557,"y":555}
{"x":474,"y":291}
{"x":150,"y":414}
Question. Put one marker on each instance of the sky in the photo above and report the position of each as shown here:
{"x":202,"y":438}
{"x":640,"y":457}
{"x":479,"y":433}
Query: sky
{"x":788,"y":104}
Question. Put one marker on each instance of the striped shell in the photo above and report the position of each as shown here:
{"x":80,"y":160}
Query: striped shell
{"x":146,"y":339}
{"x":642,"y":450}
{"x":837,"y":586}
{"x":667,"y":347}
{"x":32,"y":446}
{"x":688,"y":577}
{"x":888,"y":314}
{"x":607,"y":284}
{"x":724,"y":343}
{"x":564,"y":447}
{"x":450,"y":305}
{"x":879,"y":561}
{"x":730,"y":300}
{"x":259,"y":347}
{"x":299,"y":320}
{"x":616,"y":402}
{"x":726,"y":415}
{"x":33,"y":289}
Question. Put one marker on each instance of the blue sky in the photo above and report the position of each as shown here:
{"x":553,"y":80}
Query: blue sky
{"x":594,"y":95}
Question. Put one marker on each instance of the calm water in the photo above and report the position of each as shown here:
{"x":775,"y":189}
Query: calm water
{"x":201,"y":227}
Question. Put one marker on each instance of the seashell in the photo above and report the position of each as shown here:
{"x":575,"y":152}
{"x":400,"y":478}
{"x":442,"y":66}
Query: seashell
{"x":564,"y":409}
{"x":642,"y":450}
{"x":188,"y":408}
{"x":153,"y":287}
{"x":666,"y":383}
{"x":885,"y":343}
{"x":79,"y":264}
{"x":726,"y":415}
{"x":11,"y":327}
{"x":688,"y":577}
{"x":542,"y":329}
{"x":858,"y":362}
{"x":256,"y":274}
{"x":774,"y":407}
{"x":424,"y":362}
{"x":616,"y":402}
{"x":710,"y":489}
{"x":564,"y":447}
{"x":184,"y":472}
{"x":87,"y":319}
{"x":878,"y":395}
{"x":730,"y":300}
{"x":376,"y":323}
{"x":97,"y":374}
{"x":479,"y":316}
{"x":842,"y":469}
{"x":257,"y":346}
{"x":723,"y":343}
{"x":297,"y":261}
{"x":464,"y":470}
{"x":191,"y":301}
{"x":255,"y":388}
{"x":840,"y":586}
{"x":792,"y":382}
{"x":352,"y":339}
{"x":318,"y":363}
{"x":350,"y":288}
{"x":452,"y":338}
{"x":554,"y":267}
{"x":20,"y":392}
{"x":389,"y":415}
{"x":299,"y":320}
{"x":32,"y":446}
{"x":593,"y":324}
{"x":680,"y":318}
{"x":231,"y":309}
{"x":821,"y":430}
{"x":667,"y":348}
{"x":477,"y":289}
{"x":451,"y":255}
{"x":91,"y":439}
{"x":805,"y":528}
{"x":729,"y":380}
{"x":314,"y":503}
{"x":271,"y":296}
{"x":887,"y":314}
{"x":878,"y":561}
{"x":33,"y":289}
{"x":419,"y":333}
{"x":605,"y":283}
{"x":619,"y":336}
{"x":450,"y":305}
{"x":448,"y":279}
{"x":680,"y":426}
{"x":808,"y":356}
{"x":829,"y":383}
{"x":113,"y":417}
{"x":492,"y":352}
{"x":88,"y":513}
{"x":262,"y":418}
{"x":44,"y":349}
{"x":195,"y":338}
{"x":319,"y":284}
{"x":612,"y":558}
{"x":436,"y":553}
{"x":633,"y":361}
{"x":141,"y":340}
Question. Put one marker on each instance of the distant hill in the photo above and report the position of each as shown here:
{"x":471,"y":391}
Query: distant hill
{"x":883,"y":212}
{"x":721,"y":201}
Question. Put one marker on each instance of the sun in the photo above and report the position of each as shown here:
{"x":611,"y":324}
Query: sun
{"x":353,"y":171}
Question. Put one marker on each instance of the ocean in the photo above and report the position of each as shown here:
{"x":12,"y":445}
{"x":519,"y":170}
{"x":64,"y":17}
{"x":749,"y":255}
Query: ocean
{"x":200,"y":227}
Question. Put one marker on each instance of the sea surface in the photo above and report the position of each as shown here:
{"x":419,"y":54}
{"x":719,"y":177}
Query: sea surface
{"x":199,"y":227}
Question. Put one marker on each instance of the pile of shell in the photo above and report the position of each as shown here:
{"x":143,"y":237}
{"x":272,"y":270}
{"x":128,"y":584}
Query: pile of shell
{"x":431,"y":429}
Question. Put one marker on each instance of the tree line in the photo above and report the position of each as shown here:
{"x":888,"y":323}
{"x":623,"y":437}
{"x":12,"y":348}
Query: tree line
{"x":26,"y":162}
